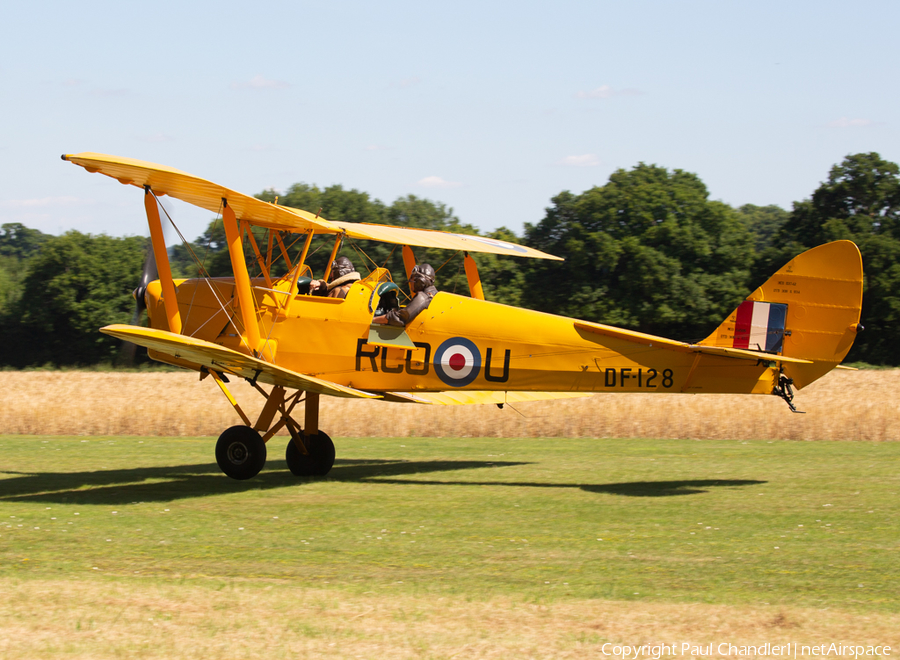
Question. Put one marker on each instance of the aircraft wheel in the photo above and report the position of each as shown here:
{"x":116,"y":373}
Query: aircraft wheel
{"x":240,"y":452}
{"x":323,"y":453}
{"x":300,"y":464}
{"x":319,"y":460}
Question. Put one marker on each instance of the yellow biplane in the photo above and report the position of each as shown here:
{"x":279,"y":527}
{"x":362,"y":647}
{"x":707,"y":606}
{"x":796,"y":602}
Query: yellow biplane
{"x":791,"y":331}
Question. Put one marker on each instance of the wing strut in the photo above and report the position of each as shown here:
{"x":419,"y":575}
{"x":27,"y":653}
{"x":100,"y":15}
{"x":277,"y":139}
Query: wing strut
{"x":170,"y":298}
{"x":230,"y":397}
{"x":409,"y":260}
{"x":474,"y":279}
{"x":241,"y":278}
{"x":334,"y":252}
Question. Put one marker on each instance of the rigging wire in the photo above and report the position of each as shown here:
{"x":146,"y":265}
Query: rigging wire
{"x":448,"y":261}
{"x":202,"y":267}
{"x":457,"y":278}
{"x":356,"y":248}
{"x":203,"y":270}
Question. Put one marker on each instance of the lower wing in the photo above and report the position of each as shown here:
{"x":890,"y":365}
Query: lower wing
{"x":218,"y":358}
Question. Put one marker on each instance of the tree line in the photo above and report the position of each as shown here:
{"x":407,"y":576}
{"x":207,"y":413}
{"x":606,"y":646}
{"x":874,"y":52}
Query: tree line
{"x":648,"y":250}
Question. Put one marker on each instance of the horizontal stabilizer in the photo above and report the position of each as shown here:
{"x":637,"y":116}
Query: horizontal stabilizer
{"x":684,"y":347}
{"x":746,"y":354}
{"x":218,"y":358}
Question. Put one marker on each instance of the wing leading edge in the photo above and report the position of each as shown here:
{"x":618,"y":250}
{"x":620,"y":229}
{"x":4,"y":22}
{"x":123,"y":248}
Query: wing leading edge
{"x":219,"y":358}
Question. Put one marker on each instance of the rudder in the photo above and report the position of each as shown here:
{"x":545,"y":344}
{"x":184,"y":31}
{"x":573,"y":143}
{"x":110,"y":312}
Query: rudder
{"x":809,"y":309}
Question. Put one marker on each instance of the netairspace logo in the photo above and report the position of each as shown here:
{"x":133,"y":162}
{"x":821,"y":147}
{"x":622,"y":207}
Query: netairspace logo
{"x":727,"y":649}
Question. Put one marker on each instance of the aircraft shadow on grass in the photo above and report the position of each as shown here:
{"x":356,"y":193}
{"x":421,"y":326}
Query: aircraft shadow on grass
{"x":627,"y":488}
{"x":169,"y":483}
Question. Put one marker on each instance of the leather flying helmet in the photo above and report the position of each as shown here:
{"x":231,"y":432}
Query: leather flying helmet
{"x":422,"y":277}
{"x":341,"y":266}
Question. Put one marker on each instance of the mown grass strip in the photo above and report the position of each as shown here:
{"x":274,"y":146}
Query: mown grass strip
{"x":794,"y":524}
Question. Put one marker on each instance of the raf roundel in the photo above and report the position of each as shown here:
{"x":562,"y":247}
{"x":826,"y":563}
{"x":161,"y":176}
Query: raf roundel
{"x":457,"y":362}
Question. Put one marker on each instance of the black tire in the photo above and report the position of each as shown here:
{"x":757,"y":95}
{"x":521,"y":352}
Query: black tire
{"x":317,"y":463}
{"x":241,"y":452}
{"x":322,"y":451}
{"x":300,"y":464}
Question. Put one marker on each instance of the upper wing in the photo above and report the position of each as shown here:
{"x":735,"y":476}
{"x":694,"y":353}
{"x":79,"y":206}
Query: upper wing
{"x":439,"y":239}
{"x":219,"y":358}
{"x":199,"y":192}
{"x":651,"y":340}
{"x":469,"y":397}
{"x":208,"y":195}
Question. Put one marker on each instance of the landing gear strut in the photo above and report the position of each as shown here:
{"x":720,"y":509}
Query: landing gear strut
{"x":241,"y":450}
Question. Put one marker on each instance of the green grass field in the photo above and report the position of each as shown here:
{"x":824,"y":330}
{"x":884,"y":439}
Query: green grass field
{"x":794,"y":524}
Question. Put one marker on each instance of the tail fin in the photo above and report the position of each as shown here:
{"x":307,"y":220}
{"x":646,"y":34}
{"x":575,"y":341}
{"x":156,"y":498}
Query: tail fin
{"x":809,"y":309}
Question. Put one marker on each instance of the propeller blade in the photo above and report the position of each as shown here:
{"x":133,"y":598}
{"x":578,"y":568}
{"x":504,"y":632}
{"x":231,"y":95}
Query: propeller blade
{"x":148,"y":274}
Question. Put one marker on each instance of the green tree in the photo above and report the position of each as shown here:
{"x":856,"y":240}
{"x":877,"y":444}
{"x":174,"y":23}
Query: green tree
{"x":861,"y":198}
{"x":860,"y":201}
{"x":20,"y":242}
{"x":648,"y":251}
{"x":9,"y":286}
{"x":75,"y":285}
{"x":764,"y":222}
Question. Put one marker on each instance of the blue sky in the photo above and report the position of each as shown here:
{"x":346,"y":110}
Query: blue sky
{"x":490,"y":107}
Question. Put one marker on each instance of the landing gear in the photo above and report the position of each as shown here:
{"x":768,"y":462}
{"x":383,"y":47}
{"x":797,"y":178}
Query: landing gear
{"x":784,"y":390}
{"x":241,"y":452}
{"x":318,"y":460}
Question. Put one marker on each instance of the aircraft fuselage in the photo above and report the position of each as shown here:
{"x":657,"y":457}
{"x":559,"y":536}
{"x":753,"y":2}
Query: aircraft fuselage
{"x":460,"y":343}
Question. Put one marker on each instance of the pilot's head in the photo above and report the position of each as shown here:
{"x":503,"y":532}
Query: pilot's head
{"x":341,"y":266}
{"x":422,"y":277}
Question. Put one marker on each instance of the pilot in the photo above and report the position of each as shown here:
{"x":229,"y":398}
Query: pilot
{"x":343,"y":275}
{"x":422,"y":283}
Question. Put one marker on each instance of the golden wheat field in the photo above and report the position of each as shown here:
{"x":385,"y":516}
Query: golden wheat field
{"x":844,"y":405}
